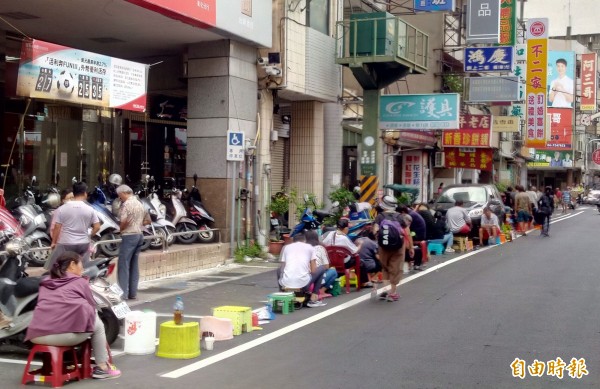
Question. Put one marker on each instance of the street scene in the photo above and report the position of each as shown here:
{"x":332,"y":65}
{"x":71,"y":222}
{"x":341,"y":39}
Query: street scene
{"x":325,"y":193}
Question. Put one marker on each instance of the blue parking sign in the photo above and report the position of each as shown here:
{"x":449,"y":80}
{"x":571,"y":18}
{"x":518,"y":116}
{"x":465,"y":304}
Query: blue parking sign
{"x":235,"y":145}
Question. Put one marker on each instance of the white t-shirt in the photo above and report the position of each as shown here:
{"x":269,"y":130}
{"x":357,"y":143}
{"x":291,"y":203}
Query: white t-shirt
{"x":559,"y":97}
{"x":321,"y":255}
{"x":75,"y":218}
{"x":297,"y":257}
{"x":493,"y":220}
{"x":336,"y":239}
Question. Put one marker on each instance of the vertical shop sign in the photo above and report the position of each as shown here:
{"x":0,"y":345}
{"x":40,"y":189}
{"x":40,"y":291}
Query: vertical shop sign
{"x":412,"y":169}
{"x":537,"y":68}
{"x":589,"y":81}
{"x":483,"y":21}
{"x":561,"y":129}
{"x":520,"y":68}
{"x":561,"y":79}
{"x":508,"y":22}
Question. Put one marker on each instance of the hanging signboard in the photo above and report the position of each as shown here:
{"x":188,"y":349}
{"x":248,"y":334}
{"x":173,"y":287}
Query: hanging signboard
{"x":50,"y":71}
{"x":561,"y":129}
{"x":535,"y":90}
{"x":434,"y":5}
{"x":505,"y":124}
{"x":547,"y":158}
{"x":483,"y":21}
{"x":508,"y":22}
{"x":561,"y":79}
{"x":589,"y":81}
{"x":490,"y":89}
{"x":419,"y":112}
{"x":475,"y":131}
{"x":481,"y":159}
{"x":489,"y":59}
{"x":413,"y":164}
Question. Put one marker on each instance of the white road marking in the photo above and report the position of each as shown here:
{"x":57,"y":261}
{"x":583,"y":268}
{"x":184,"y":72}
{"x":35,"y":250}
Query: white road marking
{"x":19,"y":361}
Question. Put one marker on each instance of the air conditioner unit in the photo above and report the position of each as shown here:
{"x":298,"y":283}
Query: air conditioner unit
{"x":439,"y":160}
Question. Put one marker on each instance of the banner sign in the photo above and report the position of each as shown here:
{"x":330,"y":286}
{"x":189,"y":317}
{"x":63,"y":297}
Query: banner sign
{"x":434,"y":5}
{"x":475,"y":131}
{"x":547,"y":158}
{"x":489,"y":59}
{"x":535,"y":90}
{"x":520,"y":68}
{"x":481,"y":159}
{"x":201,"y":14}
{"x":483,"y":21}
{"x":505,"y":124}
{"x":50,"y":71}
{"x":561,"y":79}
{"x":589,"y":81}
{"x":508,"y":22}
{"x":487,"y":89}
{"x":561,"y":129}
{"x":419,"y":112}
{"x":420,"y":137}
{"x":412,"y":168}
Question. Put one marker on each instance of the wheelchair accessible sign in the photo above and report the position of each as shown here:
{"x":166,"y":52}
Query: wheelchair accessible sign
{"x":235,"y":145}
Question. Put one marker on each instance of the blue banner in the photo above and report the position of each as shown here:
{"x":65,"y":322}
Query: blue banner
{"x":489,"y":59}
{"x":419,"y":112}
{"x":434,"y":5}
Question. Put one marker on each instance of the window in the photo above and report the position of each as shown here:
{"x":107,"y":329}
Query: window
{"x":318,"y":15}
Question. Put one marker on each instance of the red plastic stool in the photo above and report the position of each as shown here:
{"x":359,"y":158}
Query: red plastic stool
{"x":424,"y":253}
{"x":86,"y":359}
{"x":53,"y":369}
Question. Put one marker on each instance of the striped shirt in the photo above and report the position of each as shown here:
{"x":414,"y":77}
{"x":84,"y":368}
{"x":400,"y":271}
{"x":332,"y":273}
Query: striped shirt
{"x":133,"y":212}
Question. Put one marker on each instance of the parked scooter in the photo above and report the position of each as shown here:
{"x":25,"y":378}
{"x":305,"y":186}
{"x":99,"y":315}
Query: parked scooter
{"x":200,"y":214}
{"x":177,"y":214}
{"x":360,"y":221}
{"x":308,"y":221}
{"x":109,"y":225}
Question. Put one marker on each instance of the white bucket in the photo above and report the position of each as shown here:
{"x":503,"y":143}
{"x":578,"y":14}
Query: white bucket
{"x":209,"y":342}
{"x":140,"y":332}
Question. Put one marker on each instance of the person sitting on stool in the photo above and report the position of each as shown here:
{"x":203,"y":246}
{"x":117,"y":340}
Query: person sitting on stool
{"x":490,"y":227}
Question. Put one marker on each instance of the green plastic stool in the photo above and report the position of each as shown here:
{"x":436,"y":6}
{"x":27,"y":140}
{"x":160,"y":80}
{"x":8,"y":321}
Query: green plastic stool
{"x":283,"y":303}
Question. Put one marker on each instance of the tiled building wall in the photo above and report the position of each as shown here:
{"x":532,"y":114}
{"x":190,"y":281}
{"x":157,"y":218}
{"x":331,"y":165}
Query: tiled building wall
{"x":333,"y":142}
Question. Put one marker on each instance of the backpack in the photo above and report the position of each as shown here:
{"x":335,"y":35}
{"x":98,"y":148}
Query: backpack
{"x":545,"y":204}
{"x":390,"y":236}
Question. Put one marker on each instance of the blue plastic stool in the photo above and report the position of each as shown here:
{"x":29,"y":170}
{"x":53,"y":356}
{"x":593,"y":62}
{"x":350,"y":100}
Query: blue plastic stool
{"x":435,"y":248}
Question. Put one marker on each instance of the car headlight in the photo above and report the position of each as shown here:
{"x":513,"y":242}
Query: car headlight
{"x":476,"y":212}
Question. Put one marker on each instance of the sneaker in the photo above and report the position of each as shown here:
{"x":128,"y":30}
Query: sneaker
{"x":383,"y":296}
{"x":392,"y":297}
{"x":316,"y":304}
{"x":450,"y":250}
{"x":101,"y":374}
{"x":418,"y":268}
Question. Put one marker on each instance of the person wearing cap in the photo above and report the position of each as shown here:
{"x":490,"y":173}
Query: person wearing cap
{"x":132,"y":214}
{"x":71,"y":223}
{"x":392,"y":260}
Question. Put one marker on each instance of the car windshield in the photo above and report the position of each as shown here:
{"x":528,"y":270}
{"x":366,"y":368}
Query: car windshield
{"x":466,"y":194}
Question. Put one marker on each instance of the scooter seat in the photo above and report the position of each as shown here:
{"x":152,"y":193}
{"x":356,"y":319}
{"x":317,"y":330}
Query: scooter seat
{"x":321,"y":214}
{"x":27,"y":286}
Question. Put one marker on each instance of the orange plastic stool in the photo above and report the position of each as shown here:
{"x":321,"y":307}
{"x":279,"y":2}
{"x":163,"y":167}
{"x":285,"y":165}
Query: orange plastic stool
{"x":53,"y":369}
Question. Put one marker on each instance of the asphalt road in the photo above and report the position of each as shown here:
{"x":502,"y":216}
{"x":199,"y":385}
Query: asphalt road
{"x":461,"y":323}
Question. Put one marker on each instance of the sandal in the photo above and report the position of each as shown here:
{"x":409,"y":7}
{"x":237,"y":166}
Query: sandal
{"x":324,"y":295}
{"x":391,"y":297}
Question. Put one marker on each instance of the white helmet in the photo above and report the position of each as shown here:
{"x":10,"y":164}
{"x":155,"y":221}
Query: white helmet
{"x":115,"y":179}
{"x":53,"y":200}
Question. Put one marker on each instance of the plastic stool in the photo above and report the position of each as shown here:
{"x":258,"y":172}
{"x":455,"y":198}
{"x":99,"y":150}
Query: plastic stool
{"x":221,"y":328}
{"x":241,"y":317}
{"x":353,"y":281}
{"x":422,"y":244}
{"x":53,"y":369}
{"x":283,"y":303}
{"x":461,"y":242}
{"x":435,"y":248}
{"x":86,"y":357}
{"x":179,"y":341}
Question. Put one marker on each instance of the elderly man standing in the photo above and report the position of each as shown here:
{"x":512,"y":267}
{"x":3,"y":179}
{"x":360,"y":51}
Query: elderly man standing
{"x":132,"y":215}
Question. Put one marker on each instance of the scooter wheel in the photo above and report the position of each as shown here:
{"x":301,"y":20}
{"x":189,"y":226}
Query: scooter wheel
{"x":206,"y":236}
{"x":189,"y":238}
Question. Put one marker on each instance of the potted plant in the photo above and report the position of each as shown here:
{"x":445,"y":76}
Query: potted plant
{"x":507,"y":231}
{"x":279,"y":207}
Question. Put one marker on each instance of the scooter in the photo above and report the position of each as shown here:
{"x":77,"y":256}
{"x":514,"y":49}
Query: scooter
{"x":308,"y":221}
{"x":161,"y":216}
{"x":109,"y":225}
{"x":177,"y":214}
{"x":360,"y":221}
{"x":200,"y":214}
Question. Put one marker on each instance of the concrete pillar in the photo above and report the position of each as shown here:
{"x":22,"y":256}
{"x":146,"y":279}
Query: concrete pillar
{"x":222,"y":95}
{"x":306,"y":150}
{"x":263,"y":167}
{"x":333,"y":136}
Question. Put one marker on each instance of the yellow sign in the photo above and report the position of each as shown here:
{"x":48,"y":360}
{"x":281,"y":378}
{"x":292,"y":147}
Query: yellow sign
{"x":505,"y":124}
{"x":535,"y":92}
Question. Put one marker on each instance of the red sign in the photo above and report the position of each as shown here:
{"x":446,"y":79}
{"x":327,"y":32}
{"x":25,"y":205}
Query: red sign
{"x":596,"y":157}
{"x":537,"y":29}
{"x":589,"y":63}
{"x":481,"y":159}
{"x":561,"y":129}
{"x":199,"y":13}
{"x":475,"y":131}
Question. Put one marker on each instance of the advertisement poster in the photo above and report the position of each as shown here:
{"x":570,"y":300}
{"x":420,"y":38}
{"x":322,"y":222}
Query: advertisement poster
{"x":481,"y":159}
{"x":547,"y":158}
{"x":50,"y":71}
{"x":535,"y":92}
{"x":412,"y":169}
{"x":419,"y":112}
{"x":589,"y":81}
{"x":561,"y":79}
{"x":561,"y":129}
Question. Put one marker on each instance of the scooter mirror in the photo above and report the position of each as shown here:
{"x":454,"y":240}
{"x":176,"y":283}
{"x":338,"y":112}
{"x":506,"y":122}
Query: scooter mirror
{"x":306,"y":197}
{"x":33,"y":180}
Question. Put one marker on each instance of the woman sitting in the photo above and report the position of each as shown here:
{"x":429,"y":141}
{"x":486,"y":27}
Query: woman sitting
{"x":322,"y":262}
{"x":65,"y":314}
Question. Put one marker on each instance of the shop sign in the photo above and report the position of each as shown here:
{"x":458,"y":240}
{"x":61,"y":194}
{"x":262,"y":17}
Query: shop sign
{"x":483,"y":21}
{"x":596,"y":157}
{"x":475,"y":131}
{"x":589,"y":81}
{"x":419,"y":112}
{"x":505,"y":124}
{"x":481,"y":159}
{"x":520,"y":68}
{"x":488,"y":89}
{"x":419,"y":137}
{"x":508,"y":22}
{"x":561,"y":79}
{"x":561,"y":129}
{"x":489,"y":59}
{"x":434,"y":5}
{"x":412,"y":163}
{"x":199,"y":13}
{"x":50,"y":71}
{"x":548,"y":158}
{"x":535,"y":90}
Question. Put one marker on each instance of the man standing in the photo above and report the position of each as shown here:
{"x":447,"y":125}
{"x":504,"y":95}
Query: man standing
{"x":71,"y":223}
{"x":566,"y":199}
{"x":523,"y":208}
{"x":562,"y":87}
{"x":132,"y":218}
{"x":458,"y":219}
{"x":299,"y":269}
{"x":391,"y":258}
